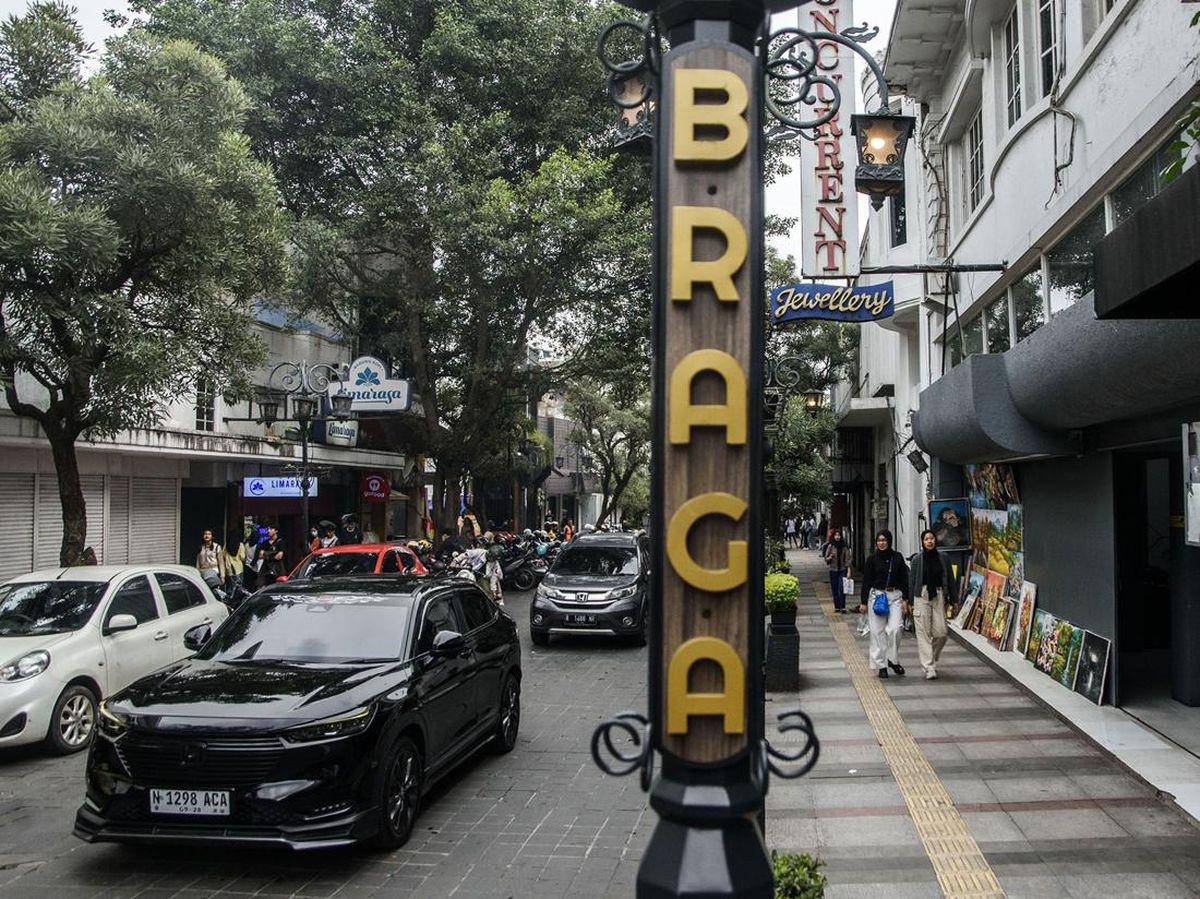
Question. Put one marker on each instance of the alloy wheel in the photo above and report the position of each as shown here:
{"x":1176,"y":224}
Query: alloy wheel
{"x":403,"y":791}
{"x":76,"y":720}
{"x":510,"y":713}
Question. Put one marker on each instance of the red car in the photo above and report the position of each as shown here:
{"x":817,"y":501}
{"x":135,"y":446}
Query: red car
{"x":361,"y":558}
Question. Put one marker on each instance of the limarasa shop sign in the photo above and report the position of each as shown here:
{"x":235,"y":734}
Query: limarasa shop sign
{"x":372,"y":390}
{"x":866,"y":303}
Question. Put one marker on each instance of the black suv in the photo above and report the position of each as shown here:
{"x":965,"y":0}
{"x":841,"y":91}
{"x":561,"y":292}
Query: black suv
{"x":599,"y":584}
{"x":318,"y":714}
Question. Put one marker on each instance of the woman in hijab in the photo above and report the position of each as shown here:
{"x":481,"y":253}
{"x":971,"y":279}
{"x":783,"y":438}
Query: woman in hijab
{"x":837,"y":558}
{"x":931,"y":582}
{"x":886,"y":574}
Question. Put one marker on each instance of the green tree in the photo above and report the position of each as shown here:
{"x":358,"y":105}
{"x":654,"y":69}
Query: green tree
{"x":454,"y":201}
{"x":802,"y":470}
{"x":613,"y":427}
{"x":135,"y":227}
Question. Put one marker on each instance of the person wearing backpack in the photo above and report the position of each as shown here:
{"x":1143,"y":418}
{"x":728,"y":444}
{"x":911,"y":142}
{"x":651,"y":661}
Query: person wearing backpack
{"x":886,"y":599}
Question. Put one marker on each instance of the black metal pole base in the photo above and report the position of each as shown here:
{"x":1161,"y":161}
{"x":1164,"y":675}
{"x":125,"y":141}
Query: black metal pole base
{"x":706,"y":845}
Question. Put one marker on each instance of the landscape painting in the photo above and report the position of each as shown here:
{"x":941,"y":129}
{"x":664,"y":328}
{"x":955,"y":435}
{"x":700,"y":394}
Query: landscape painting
{"x":1066,"y":658}
{"x":1041,"y":621}
{"x":1048,"y":648}
{"x":1025,"y":616}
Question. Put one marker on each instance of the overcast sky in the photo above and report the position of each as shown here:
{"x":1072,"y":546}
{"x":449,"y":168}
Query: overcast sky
{"x":782,"y":199}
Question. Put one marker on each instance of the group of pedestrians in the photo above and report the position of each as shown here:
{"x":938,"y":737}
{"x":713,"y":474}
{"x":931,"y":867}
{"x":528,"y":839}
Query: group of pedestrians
{"x":805,"y":531}
{"x":889,"y":591}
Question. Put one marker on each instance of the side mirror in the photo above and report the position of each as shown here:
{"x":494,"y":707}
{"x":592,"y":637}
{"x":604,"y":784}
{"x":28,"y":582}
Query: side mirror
{"x":195,"y":637}
{"x":448,"y":643}
{"x":119,"y":623}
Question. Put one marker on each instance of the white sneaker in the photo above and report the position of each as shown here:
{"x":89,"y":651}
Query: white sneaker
{"x":930,"y":674}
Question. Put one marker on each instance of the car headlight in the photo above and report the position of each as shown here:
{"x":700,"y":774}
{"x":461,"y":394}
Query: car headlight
{"x":623,"y":592}
{"x":548,"y":592}
{"x":330,"y":728}
{"x":111,"y":722}
{"x":29,"y":665}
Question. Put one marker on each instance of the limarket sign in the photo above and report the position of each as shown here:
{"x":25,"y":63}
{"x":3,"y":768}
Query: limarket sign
{"x":368,"y":383}
{"x":866,"y":303}
{"x":265,"y":488}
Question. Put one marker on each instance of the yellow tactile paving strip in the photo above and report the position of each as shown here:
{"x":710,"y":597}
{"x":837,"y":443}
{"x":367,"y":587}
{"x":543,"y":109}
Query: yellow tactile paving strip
{"x":961,"y":869}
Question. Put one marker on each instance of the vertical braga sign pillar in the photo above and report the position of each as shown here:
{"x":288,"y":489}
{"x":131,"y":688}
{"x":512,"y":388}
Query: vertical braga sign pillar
{"x":705,"y":677}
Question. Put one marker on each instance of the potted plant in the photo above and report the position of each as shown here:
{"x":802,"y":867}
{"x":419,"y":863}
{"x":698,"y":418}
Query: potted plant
{"x":780,"y":593}
{"x":798,"y":876}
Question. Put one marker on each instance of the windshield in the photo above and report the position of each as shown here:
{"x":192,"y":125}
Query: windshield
{"x":600,"y":561}
{"x":318,"y":627}
{"x":338,"y":563}
{"x":47,"y":607}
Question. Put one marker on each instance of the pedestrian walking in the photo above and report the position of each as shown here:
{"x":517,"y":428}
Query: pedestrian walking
{"x":837,"y":558}
{"x":789,"y":530}
{"x":931,"y":581}
{"x":314,"y":540}
{"x":568,"y":531}
{"x":492,"y":569}
{"x":270,"y":554}
{"x":208,"y":560}
{"x":234,"y":562}
{"x":884,"y":596}
{"x":822,"y":533}
{"x":804,"y":532}
{"x":329,"y":538}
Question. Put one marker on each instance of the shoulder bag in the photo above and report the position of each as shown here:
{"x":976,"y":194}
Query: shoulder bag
{"x":880,"y":604}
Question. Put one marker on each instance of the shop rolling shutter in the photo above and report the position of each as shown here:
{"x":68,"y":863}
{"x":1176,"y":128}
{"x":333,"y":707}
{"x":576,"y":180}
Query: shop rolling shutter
{"x":117,"y":547}
{"x":49,"y":514}
{"x":16,"y":525}
{"x":154,"y":519}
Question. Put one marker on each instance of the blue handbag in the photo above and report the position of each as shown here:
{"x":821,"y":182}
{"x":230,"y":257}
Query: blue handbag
{"x":880,"y":606}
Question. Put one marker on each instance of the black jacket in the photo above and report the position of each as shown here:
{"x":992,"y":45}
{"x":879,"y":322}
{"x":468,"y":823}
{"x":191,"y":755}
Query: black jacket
{"x":949,"y":584}
{"x":875,"y":576}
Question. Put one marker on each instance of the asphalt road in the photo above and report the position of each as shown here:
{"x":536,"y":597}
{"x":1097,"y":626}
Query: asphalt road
{"x":541,"y":821}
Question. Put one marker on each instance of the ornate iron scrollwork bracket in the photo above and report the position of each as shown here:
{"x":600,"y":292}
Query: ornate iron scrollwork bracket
{"x":792,"y":763}
{"x":618,"y":761}
{"x":793,"y":79}
{"x":632,"y":84}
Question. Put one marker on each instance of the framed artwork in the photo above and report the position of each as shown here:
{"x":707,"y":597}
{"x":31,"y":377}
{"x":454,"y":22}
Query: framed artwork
{"x":1001,"y":619}
{"x":993,"y":587}
{"x":975,"y":622}
{"x":1093,"y":667}
{"x":1025,"y":616}
{"x":951,"y":523}
{"x":1066,"y":657}
{"x":991,"y":486}
{"x":1014,"y":529}
{"x":1016,"y":576}
{"x":1048,"y":648}
{"x":1041,"y":621}
{"x":979,"y":537}
{"x":999,"y":556}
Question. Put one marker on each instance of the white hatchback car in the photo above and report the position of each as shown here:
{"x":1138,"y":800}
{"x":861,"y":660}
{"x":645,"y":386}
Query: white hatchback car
{"x":71,"y":636}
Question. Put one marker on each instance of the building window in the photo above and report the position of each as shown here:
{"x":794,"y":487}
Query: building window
{"x":1069,"y":263}
{"x":974,"y":153}
{"x":972,"y":333}
{"x":206,"y":405}
{"x":1029,"y":310}
{"x":1048,"y":49}
{"x":1012,"y":66}
{"x":1142,"y":185}
{"x":996,"y":322}
{"x":899,"y":221}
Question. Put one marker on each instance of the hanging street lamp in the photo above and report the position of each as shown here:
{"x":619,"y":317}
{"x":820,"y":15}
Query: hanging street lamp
{"x":881,"y":138}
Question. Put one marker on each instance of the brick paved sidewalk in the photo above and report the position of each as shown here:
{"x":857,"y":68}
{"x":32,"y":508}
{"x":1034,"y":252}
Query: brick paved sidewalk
{"x":1052,"y":814}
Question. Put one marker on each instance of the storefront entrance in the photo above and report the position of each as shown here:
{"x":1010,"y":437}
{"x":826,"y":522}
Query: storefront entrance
{"x":1146,"y":488}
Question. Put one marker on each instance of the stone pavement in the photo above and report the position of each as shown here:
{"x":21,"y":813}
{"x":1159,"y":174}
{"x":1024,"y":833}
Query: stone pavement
{"x":1050,"y":813}
{"x":542,"y":821}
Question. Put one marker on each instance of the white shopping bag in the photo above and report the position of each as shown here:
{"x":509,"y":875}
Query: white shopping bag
{"x":848,"y":586}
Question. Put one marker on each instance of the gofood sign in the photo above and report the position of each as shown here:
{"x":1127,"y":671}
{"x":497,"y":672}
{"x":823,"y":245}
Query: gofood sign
{"x":372,"y":390}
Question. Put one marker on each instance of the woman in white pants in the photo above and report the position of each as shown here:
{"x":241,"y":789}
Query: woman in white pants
{"x":886,"y":573}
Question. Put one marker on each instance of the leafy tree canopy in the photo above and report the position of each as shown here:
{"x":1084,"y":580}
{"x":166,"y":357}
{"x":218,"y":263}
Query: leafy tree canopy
{"x":135,"y":227}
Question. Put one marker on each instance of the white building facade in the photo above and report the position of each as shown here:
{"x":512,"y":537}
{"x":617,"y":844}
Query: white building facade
{"x":1043,"y":128}
{"x":150,"y":493}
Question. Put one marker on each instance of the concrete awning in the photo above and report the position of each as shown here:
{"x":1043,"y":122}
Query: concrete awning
{"x":924,"y":33}
{"x":865,"y":412}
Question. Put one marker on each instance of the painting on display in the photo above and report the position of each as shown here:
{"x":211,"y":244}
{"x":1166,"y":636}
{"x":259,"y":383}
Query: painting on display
{"x":991,"y":486}
{"x":979,"y":537}
{"x":1048,"y":648}
{"x":974,"y":583}
{"x":1014,"y":528}
{"x":951,"y":524}
{"x":1025,"y":616}
{"x":1066,"y":656}
{"x":1016,"y":576}
{"x":1001,"y":619}
{"x":1093,"y":667}
{"x":1041,"y":621}
{"x":975,"y":622}
{"x":999,"y":556}
{"x":964,"y":612}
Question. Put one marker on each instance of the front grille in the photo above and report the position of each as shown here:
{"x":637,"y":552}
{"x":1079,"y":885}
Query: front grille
{"x":593,"y":606}
{"x":168,"y":761}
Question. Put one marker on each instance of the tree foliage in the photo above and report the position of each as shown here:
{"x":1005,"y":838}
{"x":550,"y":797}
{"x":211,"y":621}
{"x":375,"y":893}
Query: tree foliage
{"x":613,"y":426}
{"x":135,"y":228}
{"x":803,"y":472}
{"x":453,"y":195}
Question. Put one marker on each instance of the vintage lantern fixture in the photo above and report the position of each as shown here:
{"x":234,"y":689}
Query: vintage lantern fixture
{"x":881,"y":138}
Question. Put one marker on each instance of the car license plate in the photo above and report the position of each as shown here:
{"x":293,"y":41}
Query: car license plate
{"x":581,"y":619}
{"x":189,"y":802}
